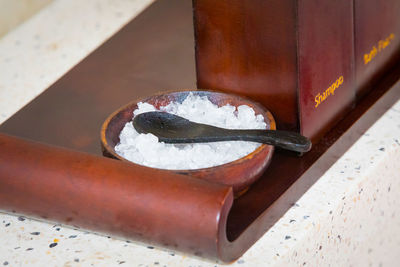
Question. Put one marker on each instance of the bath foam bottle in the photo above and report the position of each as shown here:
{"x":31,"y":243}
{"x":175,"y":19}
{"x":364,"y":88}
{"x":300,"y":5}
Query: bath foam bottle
{"x":377,"y":40}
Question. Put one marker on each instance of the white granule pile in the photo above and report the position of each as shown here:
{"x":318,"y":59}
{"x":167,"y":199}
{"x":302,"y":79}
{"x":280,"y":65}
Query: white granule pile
{"x":144,"y":149}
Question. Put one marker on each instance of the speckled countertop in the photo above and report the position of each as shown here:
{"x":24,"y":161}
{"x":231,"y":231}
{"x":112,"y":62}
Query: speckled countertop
{"x":349,"y":217}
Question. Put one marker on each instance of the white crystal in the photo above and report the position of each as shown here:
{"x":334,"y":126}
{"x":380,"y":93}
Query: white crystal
{"x":144,"y":149}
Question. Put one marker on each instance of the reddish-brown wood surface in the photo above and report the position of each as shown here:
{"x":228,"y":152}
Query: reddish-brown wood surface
{"x":325,"y":57}
{"x":241,"y":48}
{"x":111,"y":196}
{"x":153,"y":52}
{"x":377,"y":40}
{"x":284,"y":53}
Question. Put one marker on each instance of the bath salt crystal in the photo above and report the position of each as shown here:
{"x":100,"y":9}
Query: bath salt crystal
{"x":145,"y":149}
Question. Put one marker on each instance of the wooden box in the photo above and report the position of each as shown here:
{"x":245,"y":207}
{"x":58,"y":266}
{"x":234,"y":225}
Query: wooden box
{"x":61,"y":176}
{"x":295,"y":57}
{"x":377,"y":40}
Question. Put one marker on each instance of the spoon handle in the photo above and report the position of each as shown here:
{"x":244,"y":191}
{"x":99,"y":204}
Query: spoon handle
{"x":283,"y":139}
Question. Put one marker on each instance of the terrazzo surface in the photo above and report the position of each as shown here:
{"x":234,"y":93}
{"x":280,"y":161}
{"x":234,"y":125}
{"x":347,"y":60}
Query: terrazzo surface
{"x":349,"y":217}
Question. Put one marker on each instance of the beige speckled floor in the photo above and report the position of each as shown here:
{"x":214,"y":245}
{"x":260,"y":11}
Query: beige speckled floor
{"x":350,"y":217}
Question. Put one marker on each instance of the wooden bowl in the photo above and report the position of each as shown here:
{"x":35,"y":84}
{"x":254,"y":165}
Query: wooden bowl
{"x":239,"y":174}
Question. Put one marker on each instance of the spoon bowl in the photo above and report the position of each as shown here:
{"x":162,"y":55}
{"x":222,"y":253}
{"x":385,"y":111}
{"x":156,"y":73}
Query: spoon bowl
{"x":238,"y":174}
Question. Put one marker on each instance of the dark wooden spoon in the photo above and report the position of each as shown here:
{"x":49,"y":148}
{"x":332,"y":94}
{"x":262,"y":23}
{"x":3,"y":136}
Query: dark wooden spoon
{"x":170,"y":128}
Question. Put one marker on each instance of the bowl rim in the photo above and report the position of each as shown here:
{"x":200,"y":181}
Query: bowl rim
{"x":267,"y":114}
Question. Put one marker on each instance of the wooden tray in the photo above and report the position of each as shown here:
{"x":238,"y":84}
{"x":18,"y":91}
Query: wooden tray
{"x":153,"y":52}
